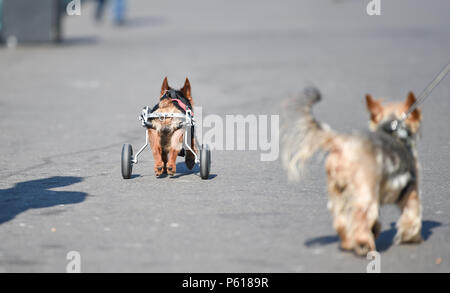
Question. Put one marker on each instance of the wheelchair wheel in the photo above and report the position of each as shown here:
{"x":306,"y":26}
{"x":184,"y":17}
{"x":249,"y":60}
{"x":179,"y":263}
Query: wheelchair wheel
{"x":205,"y":161}
{"x":127,"y":164}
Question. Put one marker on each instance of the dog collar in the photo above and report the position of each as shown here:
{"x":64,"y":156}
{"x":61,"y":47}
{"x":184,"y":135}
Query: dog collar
{"x":397,"y":128}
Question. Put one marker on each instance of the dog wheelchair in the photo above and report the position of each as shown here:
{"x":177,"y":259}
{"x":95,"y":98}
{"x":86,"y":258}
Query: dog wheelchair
{"x":187,"y":123}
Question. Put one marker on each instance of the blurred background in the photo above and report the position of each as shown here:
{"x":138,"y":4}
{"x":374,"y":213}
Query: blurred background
{"x":72,"y":86}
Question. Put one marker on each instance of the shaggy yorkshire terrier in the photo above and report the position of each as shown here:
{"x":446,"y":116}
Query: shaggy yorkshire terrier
{"x":364,"y":171}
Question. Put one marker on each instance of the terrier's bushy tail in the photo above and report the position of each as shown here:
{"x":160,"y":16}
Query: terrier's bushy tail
{"x":301,"y":134}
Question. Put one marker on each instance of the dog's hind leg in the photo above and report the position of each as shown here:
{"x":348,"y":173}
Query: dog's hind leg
{"x":338,"y":197}
{"x":410,"y":223}
{"x":353,"y":200}
{"x":155,"y":144}
{"x":357,"y":226}
{"x":364,"y":221}
{"x":340,"y":225}
{"x":336,"y":205}
{"x":364,"y":218}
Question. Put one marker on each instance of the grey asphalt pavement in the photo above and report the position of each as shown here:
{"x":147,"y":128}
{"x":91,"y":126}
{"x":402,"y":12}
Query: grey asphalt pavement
{"x":66,"y":110}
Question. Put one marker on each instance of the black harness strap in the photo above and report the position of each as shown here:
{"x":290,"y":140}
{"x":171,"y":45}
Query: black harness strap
{"x":174,"y":95}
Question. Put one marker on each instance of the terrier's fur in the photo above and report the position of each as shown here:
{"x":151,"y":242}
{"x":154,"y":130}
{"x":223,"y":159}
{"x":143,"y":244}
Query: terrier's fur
{"x":166,"y":140}
{"x":364,"y":171}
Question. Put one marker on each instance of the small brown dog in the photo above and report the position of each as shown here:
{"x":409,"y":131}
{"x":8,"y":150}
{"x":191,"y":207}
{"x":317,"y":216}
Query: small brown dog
{"x":364,"y":171}
{"x":166,"y":137}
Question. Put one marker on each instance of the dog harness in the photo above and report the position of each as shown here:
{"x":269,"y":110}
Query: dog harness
{"x":179,"y":101}
{"x":399,"y":130}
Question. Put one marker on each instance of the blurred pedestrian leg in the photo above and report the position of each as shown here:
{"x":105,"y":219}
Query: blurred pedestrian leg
{"x":99,"y":10}
{"x":119,"y":11}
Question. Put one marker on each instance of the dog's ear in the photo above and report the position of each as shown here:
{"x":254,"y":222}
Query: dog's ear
{"x":186,"y":90}
{"x":374,"y":107}
{"x":165,"y":86}
{"x":410,"y":100}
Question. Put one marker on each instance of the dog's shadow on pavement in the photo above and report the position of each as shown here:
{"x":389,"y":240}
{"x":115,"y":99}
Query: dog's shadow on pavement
{"x":36,"y":194}
{"x":384,"y":240}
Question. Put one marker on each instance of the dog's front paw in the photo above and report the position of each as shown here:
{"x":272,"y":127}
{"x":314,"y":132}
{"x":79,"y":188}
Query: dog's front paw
{"x":407,"y":238}
{"x":159,"y":169}
{"x":171,"y":169}
{"x":408,"y":231}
